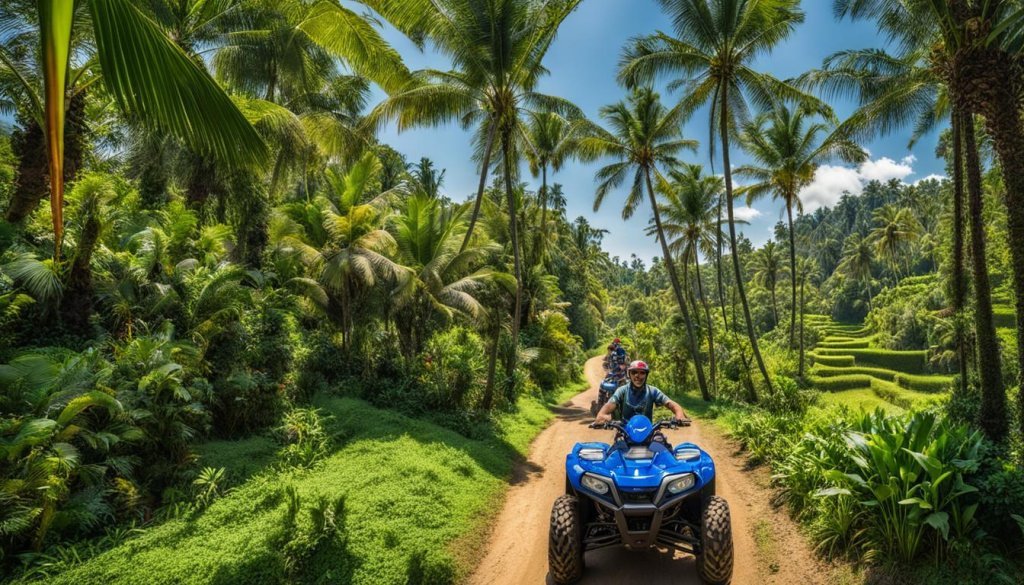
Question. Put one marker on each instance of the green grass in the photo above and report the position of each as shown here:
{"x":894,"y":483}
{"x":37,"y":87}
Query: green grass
{"x":837,"y":383}
{"x":835,"y":361}
{"x":931,"y":384}
{"x":410,"y":488}
{"x":1003,"y":316}
{"x":844,"y":343}
{"x":859,"y":399}
{"x":829,"y":371}
{"x":911,"y":362}
{"x":907,"y":399}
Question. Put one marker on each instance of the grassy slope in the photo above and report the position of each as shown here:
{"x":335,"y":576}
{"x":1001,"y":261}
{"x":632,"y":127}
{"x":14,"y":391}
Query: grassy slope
{"x":409,"y":487}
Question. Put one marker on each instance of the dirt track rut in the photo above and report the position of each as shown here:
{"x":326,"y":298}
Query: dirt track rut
{"x":769,"y":548}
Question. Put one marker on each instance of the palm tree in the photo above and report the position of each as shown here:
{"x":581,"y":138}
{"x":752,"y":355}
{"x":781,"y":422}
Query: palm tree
{"x":858,"y":256}
{"x":979,"y":42}
{"x":895,"y":229}
{"x":148,"y":75}
{"x":807,"y":269}
{"x":690,"y":211}
{"x":645,"y":135}
{"x":787,"y":151}
{"x":497,"y":48}
{"x":549,"y":141}
{"x":767,"y":266}
{"x":341,"y":239}
{"x":438,"y":278}
{"x":715,"y":43}
{"x":428,"y":180}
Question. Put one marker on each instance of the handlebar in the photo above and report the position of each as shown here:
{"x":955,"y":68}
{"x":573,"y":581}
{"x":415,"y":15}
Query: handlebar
{"x":661,"y":424}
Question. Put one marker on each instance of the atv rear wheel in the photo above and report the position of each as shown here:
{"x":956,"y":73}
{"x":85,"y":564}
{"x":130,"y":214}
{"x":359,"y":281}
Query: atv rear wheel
{"x":715,"y":559}
{"x":593,"y":407}
{"x":565,"y":541}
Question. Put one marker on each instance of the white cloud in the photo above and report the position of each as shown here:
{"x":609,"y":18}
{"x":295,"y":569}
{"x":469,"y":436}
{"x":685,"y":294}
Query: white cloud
{"x":885,"y":169}
{"x":745,"y":213}
{"x":831,"y":182}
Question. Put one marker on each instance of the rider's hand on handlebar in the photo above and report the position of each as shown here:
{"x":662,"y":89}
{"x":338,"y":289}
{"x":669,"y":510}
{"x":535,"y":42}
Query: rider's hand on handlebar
{"x":602,"y":419}
{"x":681,"y":422}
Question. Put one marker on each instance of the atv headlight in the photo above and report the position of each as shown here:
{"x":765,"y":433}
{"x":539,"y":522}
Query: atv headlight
{"x":594,"y":484}
{"x":591,"y":454}
{"x":687,"y":454}
{"x":681,"y":484}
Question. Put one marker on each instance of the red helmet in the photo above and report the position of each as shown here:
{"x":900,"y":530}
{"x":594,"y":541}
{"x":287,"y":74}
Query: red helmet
{"x":616,"y":340}
{"x":639,"y":365}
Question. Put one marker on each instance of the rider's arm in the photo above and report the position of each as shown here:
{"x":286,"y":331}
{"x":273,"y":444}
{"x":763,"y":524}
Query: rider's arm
{"x":677,"y":411}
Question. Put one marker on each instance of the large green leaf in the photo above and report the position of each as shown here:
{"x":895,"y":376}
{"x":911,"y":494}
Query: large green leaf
{"x":94,"y":398}
{"x":154,"y":79}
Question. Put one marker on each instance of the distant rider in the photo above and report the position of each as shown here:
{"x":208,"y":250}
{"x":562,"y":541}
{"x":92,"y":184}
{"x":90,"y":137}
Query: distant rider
{"x":637,"y":397}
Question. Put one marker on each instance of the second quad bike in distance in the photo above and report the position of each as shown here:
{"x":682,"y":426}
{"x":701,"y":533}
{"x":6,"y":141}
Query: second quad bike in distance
{"x":608,"y":387}
{"x":638,"y":493}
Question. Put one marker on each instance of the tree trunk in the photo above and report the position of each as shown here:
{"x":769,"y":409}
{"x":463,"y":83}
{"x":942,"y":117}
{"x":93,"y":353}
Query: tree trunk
{"x":77,"y":303}
{"x":711,"y":326}
{"x":775,"y":307}
{"x":483,"y":184}
{"x":992,"y":82}
{"x":803,"y":285}
{"x":540,"y":240}
{"x":959,"y":284}
{"x":674,"y":279}
{"x":792,"y":270}
{"x":724,"y":128}
{"x":506,"y":141}
{"x":992,"y":416}
{"x":492,"y":361}
{"x":32,"y":180}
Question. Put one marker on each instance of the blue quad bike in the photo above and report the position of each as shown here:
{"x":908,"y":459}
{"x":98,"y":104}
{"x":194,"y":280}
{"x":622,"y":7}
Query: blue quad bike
{"x":605,"y":390}
{"x":640,"y":493}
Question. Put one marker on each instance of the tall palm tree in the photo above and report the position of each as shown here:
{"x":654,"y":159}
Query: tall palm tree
{"x":858,"y":256}
{"x":644,"y":136}
{"x":766,"y":267}
{"x":787,"y":149}
{"x":428,"y":180}
{"x":895,"y":228}
{"x":549,"y":139}
{"x":715,"y":44}
{"x":980,"y":44}
{"x":690,"y":212}
{"x":497,"y":48}
{"x":149,"y":76}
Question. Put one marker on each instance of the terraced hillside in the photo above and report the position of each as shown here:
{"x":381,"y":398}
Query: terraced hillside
{"x":850,"y":369}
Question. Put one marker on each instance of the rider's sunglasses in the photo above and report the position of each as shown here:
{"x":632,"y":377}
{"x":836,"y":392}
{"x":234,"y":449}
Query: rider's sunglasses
{"x":638,"y":373}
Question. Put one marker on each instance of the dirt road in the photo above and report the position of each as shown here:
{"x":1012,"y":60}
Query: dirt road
{"x":769,"y":549}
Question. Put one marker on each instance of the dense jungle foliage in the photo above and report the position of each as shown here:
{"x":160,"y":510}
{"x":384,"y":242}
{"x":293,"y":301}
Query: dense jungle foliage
{"x":213,"y":273}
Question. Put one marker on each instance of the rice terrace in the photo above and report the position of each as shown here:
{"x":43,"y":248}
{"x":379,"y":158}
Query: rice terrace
{"x":512,"y":292}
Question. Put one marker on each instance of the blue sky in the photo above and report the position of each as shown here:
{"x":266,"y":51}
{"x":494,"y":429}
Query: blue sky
{"x":583,"y":62}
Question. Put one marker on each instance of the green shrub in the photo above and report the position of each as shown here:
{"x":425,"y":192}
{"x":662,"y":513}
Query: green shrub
{"x":1004,"y":317}
{"x":913,"y":362}
{"x":838,"y":361}
{"x":891,"y":393}
{"x":828,"y":371}
{"x":453,"y":366}
{"x":304,"y":436}
{"x":924,"y":383}
{"x":847,"y":382}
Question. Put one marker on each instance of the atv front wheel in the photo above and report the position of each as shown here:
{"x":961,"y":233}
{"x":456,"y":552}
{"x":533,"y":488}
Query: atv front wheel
{"x":565,"y":542}
{"x":593,"y":407}
{"x":715,"y":559}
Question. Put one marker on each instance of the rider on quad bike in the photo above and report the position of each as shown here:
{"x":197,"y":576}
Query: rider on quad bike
{"x":637,"y":397}
{"x":640,"y":493}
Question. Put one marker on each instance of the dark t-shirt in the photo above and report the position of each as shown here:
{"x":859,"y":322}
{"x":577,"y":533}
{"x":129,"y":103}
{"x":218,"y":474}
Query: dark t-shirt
{"x":633,"y":402}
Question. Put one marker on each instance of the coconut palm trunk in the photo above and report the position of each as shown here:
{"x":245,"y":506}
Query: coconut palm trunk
{"x":506,"y":145}
{"x":707,"y":317}
{"x":959,"y":285}
{"x":724,"y":129}
{"x":677,"y":289}
{"x":992,"y":418}
{"x":484,"y":166}
{"x":792,"y":270}
{"x":803,"y":285}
